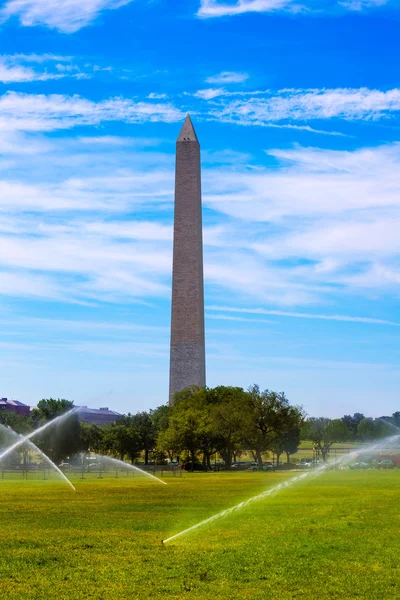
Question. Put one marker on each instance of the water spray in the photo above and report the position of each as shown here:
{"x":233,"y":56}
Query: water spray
{"x":120,"y":463}
{"x":25,"y":440}
{"x":392,"y":425}
{"x":37,"y":431}
{"x":277,"y":488}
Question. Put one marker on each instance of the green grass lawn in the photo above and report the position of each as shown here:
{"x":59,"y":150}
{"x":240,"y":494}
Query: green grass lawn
{"x":333,"y":537}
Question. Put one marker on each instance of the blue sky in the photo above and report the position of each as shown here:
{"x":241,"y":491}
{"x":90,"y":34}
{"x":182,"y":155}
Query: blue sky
{"x":297,"y":109}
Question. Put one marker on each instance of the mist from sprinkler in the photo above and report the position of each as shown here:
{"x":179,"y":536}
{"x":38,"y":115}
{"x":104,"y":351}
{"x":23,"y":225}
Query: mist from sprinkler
{"x":281,"y":486}
{"x":24,"y":440}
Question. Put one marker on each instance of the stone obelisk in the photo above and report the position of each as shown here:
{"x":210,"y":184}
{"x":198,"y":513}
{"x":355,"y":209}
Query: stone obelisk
{"x":188,"y":364}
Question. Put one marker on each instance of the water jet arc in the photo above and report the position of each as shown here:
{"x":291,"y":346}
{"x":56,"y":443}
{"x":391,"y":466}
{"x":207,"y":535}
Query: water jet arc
{"x":392,"y":425}
{"x":39,"y":430}
{"x":277,"y":488}
{"x":119,"y":463}
{"x":25,"y":440}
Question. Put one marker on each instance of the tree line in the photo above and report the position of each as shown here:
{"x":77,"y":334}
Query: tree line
{"x":227,"y":422}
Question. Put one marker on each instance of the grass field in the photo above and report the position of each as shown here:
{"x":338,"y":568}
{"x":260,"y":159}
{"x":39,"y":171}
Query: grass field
{"x":335,"y":537}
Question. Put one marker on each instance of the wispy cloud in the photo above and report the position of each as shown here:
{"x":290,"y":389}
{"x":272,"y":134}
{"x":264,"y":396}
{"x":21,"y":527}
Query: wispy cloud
{"x":210,"y":93}
{"x":216,"y":8}
{"x":155,"y":96}
{"x":291,"y":109}
{"x":28,"y":112}
{"x":299,"y":315}
{"x":358,"y":5}
{"x":319,"y":225}
{"x":36,"y":58}
{"x":227,"y":77}
{"x":311,"y":182}
{"x":303,"y":105}
{"x":18,"y":74}
{"x":67,"y":16}
{"x":329,"y":222}
{"x":219,"y":317}
{"x":25,"y":68}
{"x":222,"y":8}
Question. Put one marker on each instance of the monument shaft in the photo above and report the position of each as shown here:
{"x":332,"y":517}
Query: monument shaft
{"x":187,"y":366}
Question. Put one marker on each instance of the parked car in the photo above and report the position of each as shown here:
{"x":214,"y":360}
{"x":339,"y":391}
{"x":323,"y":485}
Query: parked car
{"x":385,"y":464}
{"x":306,"y":463}
{"x":268,"y":466}
{"x":240,"y":465}
{"x":93,"y":466}
{"x":219,"y":466}
{"x":197,"y":466}
{"x":65,"y":466}
{"x":359,"y":465}
{"x":253,"y":467}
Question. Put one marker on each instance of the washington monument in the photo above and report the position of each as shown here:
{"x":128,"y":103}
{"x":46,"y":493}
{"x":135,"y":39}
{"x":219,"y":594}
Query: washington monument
{"x":187,"y":362}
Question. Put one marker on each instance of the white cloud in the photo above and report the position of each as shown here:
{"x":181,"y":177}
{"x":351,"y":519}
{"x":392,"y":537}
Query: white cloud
{"x":219,"y":317}
{"x":29,"y":112}
{"x":318,"y":225}
{"x":23,"y":68}
{"x":19,"y":74}
{"x":215,"y":8}
{"x":227,"y":77}
{"x":358,"y":5}
{"x":29,"y":285}
{"x":297,"y":315}
{"x":114,"y":270}
{"x":224,"y":92}
{"x":67,"y":16}
{"x":311,"y":182}
{"x":284,"y":109}
{"x":210,"y":93}
{"x":301,"y":105}
{"x":223,"y":8}
{"x":138,"y":230}
{"x":331,"y":219}
{"x":154,"y":96}
{"x":35,"y":58}
{"x":281,"y":108}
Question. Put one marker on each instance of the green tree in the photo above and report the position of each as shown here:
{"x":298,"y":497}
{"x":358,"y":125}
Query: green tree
{"x":227,"y":406}
{"x":370,"y":430}
{"x":268,"y":417}
{"x":190,"y":425}
{"x":184,"y":431}
{"x":396,"y":418}
{"x":48,"y":409}
{"x":160,"y":417}
{"x":276,"y":447}
{"x":18,"y":423}
{"x":61,"y":440}
{"x":352,"y":423}
{"x":146,"y":429}
{"x":291,"y":442}
{"x":91,"y":437}
{"x":120,"y":439}
{"x":324,"y":432}
{"x":169,"y":442}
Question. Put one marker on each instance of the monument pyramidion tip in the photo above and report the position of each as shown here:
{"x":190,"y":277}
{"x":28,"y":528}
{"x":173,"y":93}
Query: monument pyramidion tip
{"x":188,"y":133}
